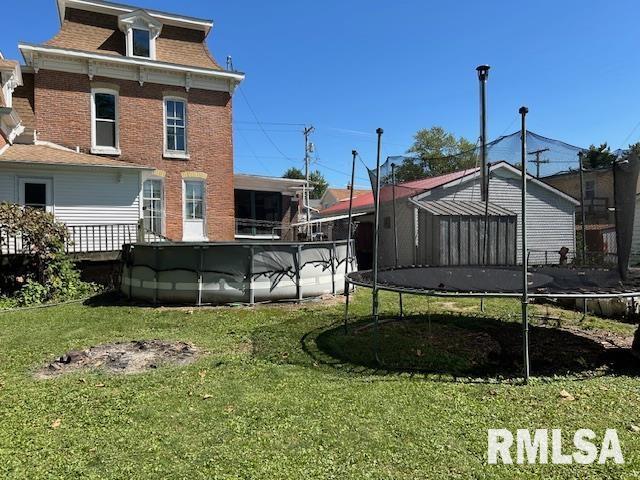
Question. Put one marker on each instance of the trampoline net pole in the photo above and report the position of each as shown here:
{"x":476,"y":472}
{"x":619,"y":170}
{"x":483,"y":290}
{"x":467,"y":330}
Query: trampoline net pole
{"x":354,"y":154}
{"x":395,"y":229}
{"x":525,"y":260}
{"x":376,"y":225}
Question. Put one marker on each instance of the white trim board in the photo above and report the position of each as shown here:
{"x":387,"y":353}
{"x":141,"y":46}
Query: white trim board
{"x":126,"y":68}
{"x":116,"y":9}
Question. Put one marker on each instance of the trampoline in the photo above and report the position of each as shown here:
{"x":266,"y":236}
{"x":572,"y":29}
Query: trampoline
{"x":482,"y":254}
{"x":502,"y":281}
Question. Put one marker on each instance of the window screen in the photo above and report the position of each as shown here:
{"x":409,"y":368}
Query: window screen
{"x":105,"y":105}
{"x":176,"y":125}
{"x":141,"y":43}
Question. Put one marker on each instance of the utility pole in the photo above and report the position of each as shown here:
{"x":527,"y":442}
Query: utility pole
{"x":305,"y":193}
{"x":537,"y":161}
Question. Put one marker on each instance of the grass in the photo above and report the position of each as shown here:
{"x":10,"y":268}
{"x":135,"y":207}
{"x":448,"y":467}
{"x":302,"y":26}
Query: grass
{"x":282,"y":393}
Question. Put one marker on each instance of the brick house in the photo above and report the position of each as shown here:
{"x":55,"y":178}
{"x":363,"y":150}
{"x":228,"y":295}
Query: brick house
{"x":123,"y":114}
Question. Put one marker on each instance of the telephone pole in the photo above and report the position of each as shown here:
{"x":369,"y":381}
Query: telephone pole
{"x":537,"y":161}
{"x":305,"y":193}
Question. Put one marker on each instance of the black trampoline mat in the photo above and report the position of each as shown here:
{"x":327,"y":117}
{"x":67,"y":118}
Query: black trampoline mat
{"x":501,"y":280}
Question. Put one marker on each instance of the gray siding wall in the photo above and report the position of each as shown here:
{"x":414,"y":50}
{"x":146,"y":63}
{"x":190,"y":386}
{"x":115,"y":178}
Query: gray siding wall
{"x":550,"y":217}
{"x":405,"y":226}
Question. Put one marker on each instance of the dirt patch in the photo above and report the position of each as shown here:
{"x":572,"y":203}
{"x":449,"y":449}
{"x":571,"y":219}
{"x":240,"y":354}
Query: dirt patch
{"x":122,"y":357}
{"x":455,"y":307}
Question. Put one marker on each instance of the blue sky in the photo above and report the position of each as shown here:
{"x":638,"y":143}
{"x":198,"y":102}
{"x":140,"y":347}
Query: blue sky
{"x":348,"y":67}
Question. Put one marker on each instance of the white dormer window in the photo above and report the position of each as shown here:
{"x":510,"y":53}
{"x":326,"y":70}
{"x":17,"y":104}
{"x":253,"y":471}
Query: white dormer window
{"x":141,"y":31}
{"x":141,"y":43}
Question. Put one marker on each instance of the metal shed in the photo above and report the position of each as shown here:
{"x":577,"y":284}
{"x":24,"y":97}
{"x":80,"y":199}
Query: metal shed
{"x":452,"y":232}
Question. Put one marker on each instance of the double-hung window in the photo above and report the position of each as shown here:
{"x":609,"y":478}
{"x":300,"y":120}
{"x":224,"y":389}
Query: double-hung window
{"x":175,"y":114}
{"x":104,"y":110}
{"x":152,"y":205}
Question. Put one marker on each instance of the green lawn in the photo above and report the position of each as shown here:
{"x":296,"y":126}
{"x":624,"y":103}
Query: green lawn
{"x":292,"y":397}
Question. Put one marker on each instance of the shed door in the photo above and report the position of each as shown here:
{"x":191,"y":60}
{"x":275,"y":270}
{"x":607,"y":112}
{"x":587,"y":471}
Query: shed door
{"x":36,"y":193}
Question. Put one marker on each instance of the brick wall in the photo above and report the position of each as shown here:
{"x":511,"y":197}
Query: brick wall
{"x":63,"y":116}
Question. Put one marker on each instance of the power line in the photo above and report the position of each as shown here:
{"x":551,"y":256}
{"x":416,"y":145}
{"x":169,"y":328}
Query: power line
{"x":285,"y":124}
{"x":260,"y":125}
{"x":338,"y":171}
{"x":253,"y":153}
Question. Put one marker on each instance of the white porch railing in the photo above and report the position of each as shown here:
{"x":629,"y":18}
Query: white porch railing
{"x":85,"y":238}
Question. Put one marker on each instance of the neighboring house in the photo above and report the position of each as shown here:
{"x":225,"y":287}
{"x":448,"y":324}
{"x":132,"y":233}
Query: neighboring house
{"x":265,"y":207}
{"x":550,"y":215}
{"x":598,"y":193}
{"x":123,"y":114}
{"x":333,"y":195}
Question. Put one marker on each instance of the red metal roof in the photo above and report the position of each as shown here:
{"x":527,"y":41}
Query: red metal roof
{"x":408,"y":189}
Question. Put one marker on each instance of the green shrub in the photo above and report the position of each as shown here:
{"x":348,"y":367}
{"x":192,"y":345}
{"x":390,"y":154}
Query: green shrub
{"x":45,"y":273}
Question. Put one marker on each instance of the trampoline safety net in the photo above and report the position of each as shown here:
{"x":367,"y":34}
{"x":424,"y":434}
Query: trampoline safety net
{"x":432,"y":214}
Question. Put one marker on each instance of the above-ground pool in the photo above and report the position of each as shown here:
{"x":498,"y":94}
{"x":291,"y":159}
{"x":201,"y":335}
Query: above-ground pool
{"x":215,"y":273}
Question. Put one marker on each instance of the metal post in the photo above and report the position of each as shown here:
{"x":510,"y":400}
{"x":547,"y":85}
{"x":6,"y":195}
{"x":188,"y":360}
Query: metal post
{"x":155,"y":276}
{"x":485,"y":244}
{"x":583,"y":215}
{"x":376,"y":224}
{"x":583,"y":225}
{"x":525,"y":279}
{"x":332,"y":258}
{"x":252,"y":289}
{"x":200,"y":279}
{"x":354,"y":154}
{"x":483,"y":75}
{"x":395,"y":229}
{"x":298,"y":262}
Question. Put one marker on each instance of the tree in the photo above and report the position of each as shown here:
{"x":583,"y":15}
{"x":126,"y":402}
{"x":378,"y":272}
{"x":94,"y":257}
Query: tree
{"x":316,"y":178}
{"x":293,"y":172}
{"x":436,"y":152}
{"x":598,"y":157}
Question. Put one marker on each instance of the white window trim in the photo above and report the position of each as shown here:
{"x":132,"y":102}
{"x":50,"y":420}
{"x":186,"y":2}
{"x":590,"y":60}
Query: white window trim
{"x":140,"y":20}
{"x":101,"y":149}
{"x":163,"y":210}
{"x":204,"y":197}
{"x":204,"y":203}
{"x":48,"y":181}
{"x":152,"y":43}
{"x":177,"y":154}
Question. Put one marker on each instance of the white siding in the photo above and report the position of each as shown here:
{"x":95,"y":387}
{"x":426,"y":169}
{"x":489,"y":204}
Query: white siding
{"x":550,"y":217}
{"x":82,"y":196}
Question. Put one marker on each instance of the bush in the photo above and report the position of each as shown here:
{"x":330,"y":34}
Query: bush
{"x":45,"y":272}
